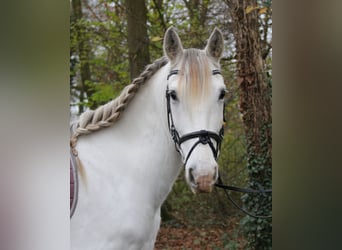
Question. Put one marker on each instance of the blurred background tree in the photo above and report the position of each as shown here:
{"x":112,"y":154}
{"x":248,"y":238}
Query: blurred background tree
{"x":112,"y":40}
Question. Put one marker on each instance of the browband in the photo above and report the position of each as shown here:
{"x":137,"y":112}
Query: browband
{"x":176,"y":71}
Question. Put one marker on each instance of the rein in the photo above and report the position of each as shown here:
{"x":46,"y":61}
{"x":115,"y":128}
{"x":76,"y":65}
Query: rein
{"x":243,"y":190}
{"x":206,"y":137}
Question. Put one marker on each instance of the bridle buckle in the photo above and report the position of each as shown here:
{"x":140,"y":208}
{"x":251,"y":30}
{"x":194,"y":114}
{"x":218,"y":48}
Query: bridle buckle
{"x":204,"y":137}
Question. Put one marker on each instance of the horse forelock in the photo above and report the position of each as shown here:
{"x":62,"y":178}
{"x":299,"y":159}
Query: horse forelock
{"x":194,"y":76}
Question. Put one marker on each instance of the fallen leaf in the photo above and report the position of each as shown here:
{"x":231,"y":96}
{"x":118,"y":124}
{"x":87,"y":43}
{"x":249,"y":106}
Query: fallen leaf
{"x":263,"y":10}
{"x":250,"y":9}
{"x":156,"y":39}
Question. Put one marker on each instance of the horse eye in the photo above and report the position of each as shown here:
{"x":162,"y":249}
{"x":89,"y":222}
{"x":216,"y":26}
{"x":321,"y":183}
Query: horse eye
{"x":222,"y":94}
{"x":173,"y":95}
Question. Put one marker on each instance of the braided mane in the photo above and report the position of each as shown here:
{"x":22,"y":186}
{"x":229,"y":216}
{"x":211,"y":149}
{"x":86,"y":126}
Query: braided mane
{"x":107,"y":114}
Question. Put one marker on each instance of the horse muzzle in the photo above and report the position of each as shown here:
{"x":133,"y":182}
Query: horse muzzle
{"x":202,"y":183}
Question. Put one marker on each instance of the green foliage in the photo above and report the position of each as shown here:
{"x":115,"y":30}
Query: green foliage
{"x":103,"y":30}
{"x":259,"y":231}
{"x":102,"y":93}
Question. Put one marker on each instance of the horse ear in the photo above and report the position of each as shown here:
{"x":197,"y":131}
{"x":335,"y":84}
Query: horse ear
{"x":214,"y":47}
{"x":172,"y":44}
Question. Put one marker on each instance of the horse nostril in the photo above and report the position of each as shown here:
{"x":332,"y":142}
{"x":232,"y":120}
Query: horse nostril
{"x":191,"y":176}
{"x":215,"y":176}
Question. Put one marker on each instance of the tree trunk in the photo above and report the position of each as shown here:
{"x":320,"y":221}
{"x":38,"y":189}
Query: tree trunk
{"x":83,"y":52}
{"x":138,"y":41}
{"x":255,"y":106}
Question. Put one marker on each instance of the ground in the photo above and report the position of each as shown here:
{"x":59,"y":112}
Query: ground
{"x":202,"y":221}
{"x":173,"y":236}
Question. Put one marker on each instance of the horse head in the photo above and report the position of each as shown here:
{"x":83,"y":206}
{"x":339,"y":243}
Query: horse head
{"x":195,"y":103}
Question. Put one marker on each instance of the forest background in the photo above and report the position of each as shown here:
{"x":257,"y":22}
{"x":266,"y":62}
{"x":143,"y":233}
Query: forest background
{"x":110,"y":44}
{"x":305,"y":109}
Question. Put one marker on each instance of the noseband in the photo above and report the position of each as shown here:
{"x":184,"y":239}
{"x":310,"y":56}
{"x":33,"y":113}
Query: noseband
{"x":204,"y":136}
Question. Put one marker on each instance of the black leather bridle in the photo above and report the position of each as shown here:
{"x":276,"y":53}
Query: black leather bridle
{"x":204,"y":136}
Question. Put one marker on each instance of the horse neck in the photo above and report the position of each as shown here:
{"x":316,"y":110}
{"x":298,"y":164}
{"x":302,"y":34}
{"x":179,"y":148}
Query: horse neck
{"x":153,"y":161}
{"x":149,"y":114}
{"x":148,"y":110}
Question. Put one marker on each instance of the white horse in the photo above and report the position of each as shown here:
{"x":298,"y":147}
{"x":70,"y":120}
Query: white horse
{"x":128,"y":168}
